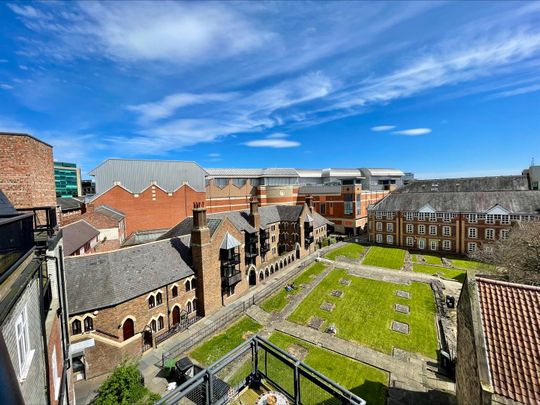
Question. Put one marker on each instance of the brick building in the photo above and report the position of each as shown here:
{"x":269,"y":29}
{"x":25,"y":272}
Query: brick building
{"x":126,"y":301}
{"x":453,"y":215}
{"x":497,"y":343}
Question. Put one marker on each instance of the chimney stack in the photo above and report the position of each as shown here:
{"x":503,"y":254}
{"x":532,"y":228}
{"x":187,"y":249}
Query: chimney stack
{"x":199,"y":215}
{"x":254,"y":217}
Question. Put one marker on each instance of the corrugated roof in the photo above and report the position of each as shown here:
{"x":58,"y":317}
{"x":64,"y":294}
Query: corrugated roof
{"x":313,"y":173}
{"x":76,"y":235}
{"x":516,"y":202}
{"x":346,"y":172}
{"x":137,"y":175}
{"x":492,"y":183}
{"x":261,"y":172}
{"x":105,"y":279}
{"x":382,"y":172}
{"x":511,"y":325}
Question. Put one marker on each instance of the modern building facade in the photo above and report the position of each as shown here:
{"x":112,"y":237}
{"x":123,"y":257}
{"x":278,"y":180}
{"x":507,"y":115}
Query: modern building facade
{"x":88,"y":187}
{"x":67,"y":178}
{"x":141,"y":295}
{"x":453,"y":215}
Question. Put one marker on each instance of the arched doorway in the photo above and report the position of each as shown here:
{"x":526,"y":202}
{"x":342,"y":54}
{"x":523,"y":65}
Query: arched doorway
{"x":297,"y":251}
{"x":261,"y":276}
{"x":128,"y":329}
{"x":176,"y":315}
{"x":147,"y":338}
{"x":252,"y":278}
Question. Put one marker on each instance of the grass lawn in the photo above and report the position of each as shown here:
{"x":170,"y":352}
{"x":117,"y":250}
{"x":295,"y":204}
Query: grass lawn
{"x":428,"y":259}
{"x":216,"y":347}
{"x":350,"y":250}
{"x":365,"y":312}
{"x":458,"y":275}
{"x":391,"y":258}
{"x":279,"y":300}
{"x":365,"y":381}
{"x":471,"y":264}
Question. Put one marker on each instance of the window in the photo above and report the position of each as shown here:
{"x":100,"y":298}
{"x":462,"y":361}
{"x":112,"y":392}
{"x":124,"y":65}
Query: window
{"x":55,"y":377}
{"x":409,"y":241}
{"x":389,"y":227}
{"x":161,"y":323}
{"x":88,"y":324}
{"x":347,"y":207}
{"x":159,"y":298}
{"x":76,"y":327}
{"x":433,"y":229}
{"x":446,"y":231}
{"x":490,"y":219}
{"x":408,"y":216}
{"x":433,"y":217}
{"x":323,"y":208}
{"x":434,"y":244}
{"x":421,"y":244}
{"x":378,"y":226}
{"x":505,"y":220}
{"x":378,"y":238}
{"x":273,"y":238}
{"x":409,"y":228}
{"x":421,"y":216}
{"x":378,"y":215}
{"x":189,"y":307}
{"x":447,"y":217}
{"x":472,"y":218}
{"x":23,"y":344}
{"x":153,"y":325}
{"x":187,"y":285}
{"x":504,"y":234}
{"x":472,"y":233}
{"x":421,"y":229}
{"x":446,"y":245}
{"x":389,"y":239}
{"x":174,"y":291}
{"x":471,"y":247}
{"x":151,"y":302}
{"x":358,"y":204}
{"x":490,"y":234}
{"x":193,"y":283}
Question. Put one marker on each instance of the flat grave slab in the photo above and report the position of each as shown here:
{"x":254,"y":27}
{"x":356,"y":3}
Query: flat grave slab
{"x":315,"y":322}
{"x":337,"y":293}
{"x":400,"y":327}
{"x":404,"y":309}
{"x":403,"y":294}
{"x":344,"y":281}
{"x":327,"y":306}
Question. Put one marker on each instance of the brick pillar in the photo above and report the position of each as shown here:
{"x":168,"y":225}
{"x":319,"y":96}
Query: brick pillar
{"x":254,"y":216}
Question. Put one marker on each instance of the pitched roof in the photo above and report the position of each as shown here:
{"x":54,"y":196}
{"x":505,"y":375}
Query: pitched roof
{"x":511,"y":323}
{"x":137,"y":175}
{"x":6,"y":208}
{"x":382,"y":172}
{"x":491,"y":183}
{"x":105,"y":279}
{"x":229,"y":242}
{"x":110,"y":212}
{"x":260,"y":172}
{"x":68,"y":203}
{"x":516,"y":202}
{"x":77,"y":235}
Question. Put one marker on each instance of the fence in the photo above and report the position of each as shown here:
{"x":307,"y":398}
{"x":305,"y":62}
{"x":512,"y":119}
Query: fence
{"x":259,"y":362}
{"x":233,"y":311}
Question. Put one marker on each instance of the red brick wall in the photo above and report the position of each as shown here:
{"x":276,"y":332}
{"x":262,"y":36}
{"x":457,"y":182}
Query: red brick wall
{"x":27,"y":171}
{"x":153,"y":208}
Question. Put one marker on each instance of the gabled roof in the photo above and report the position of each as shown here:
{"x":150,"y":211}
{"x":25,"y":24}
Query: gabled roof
{"x":511,"y":324}
{"x":229,"y":242}
{"x":104,"y":279}
{"x":76,"y":235}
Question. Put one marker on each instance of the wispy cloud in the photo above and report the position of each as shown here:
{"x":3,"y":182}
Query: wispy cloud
{"x":6,"y":86}
{"x":517,"y":92}
{"x":413,"y":132}
{"x":382,"y":128}
{"x":272,"y":142}
{"x":214,"y":155}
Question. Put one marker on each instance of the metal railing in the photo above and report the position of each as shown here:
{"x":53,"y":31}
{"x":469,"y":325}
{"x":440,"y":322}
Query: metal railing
{"x":256,"y":362}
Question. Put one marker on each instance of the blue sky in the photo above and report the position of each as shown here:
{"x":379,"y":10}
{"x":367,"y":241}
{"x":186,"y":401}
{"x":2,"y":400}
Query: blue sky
{"x":440,"y":89}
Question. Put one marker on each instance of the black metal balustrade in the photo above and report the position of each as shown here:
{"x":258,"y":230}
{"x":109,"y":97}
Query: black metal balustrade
{"x":231,"y":279}
{"x":16,"y":241}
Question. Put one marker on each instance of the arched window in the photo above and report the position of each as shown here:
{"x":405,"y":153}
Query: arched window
{"x":161,"y":324}
{"x":193,"y":283}
{"x":188,"y":285}
{"x":88,"y":324}
{"x":194,"y":305}
{"x":128,"y":328}
{"x":159,"y":298}
{"x":189,"y":307}
{"x":174,"y":291}
{"x":76,"y":327}
{"x":151,"y":302}
{"x":153,"y":325}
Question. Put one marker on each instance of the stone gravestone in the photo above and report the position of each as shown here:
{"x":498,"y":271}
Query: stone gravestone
{"x":400,"y":327}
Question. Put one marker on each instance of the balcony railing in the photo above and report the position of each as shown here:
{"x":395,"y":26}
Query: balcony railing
{"x":308,"y":240}
{"x":45,"y":223}
{"x":230,"y":280}
{"x":251,"y":251}
{"x":231,"y":259}
{"x":16,"y":240}
{"x":265,"y":247}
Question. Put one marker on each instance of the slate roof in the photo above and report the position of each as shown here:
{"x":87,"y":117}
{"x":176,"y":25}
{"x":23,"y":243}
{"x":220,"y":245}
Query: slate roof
{"x":6,"y":208}
{"x":110,"y":212}
{"x":104,"y":279}
{"x":517,"y":202}
{"x":137,"y":175}
{"x":269,"y":214}
{"x":68,"y":204}
{"x":491,"y":183}
{"x":229,"y":242}
{"x":511,"y":324}
{"x":77,"y":235}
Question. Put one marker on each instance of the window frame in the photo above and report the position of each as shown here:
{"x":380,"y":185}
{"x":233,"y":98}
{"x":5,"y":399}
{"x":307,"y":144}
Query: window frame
{"x":22,"y":336}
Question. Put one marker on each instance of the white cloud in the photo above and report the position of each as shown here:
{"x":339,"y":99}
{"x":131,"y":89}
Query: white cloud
{"x":518,"y":91}
{"x":214,"y":155}
{"x":6,"y":86}
{"x":382,"y":128}
{"x":272,"y":143}
{"x":277,"y":135}
{"x":413,"y":131}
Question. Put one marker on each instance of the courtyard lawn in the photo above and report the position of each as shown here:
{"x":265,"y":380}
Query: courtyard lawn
{"x":391,"y":258}
{"x":279,"y":300}
{"x":366,"y":310}
{"x":219,"y":345}
{"x":471,"y":264}
{"x":365,"y":381}
{"x":428,"y":259}
{"x":350,"y":250}
{"x":458,"y":275}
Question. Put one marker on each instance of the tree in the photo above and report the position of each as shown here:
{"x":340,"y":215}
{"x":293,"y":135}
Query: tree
{"x":125,"y":387}
{"x":519,"y":254}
